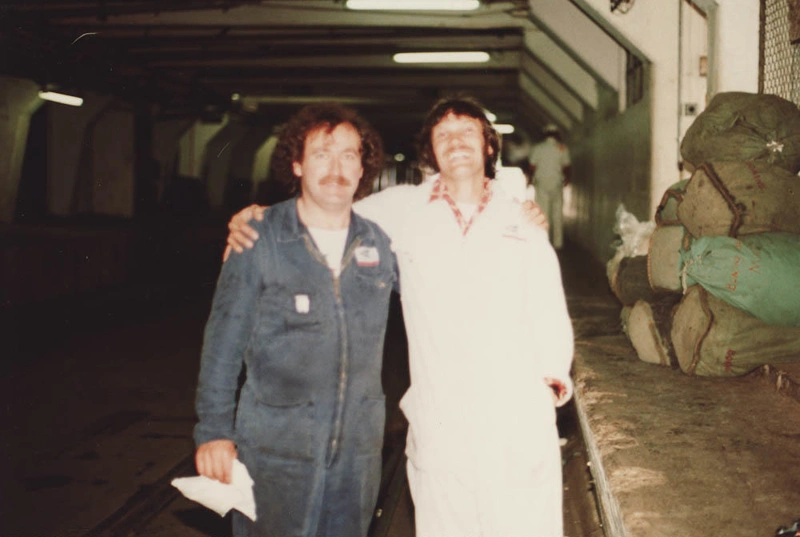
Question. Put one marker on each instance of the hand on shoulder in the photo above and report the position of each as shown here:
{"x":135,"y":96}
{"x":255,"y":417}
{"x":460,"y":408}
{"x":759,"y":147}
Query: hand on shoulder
{"x":534,"y":215}
{"x":241,"y":234}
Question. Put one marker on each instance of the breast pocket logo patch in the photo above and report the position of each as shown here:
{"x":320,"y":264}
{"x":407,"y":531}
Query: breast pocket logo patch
{"x":513,"y":232}
{"x":367,"y":256}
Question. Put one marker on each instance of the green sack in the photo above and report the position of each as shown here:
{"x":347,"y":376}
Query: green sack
{"x":745,"y":126}
{"x":759,"y":274}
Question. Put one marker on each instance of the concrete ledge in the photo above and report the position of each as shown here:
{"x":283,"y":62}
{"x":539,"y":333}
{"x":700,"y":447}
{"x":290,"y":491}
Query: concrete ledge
{"x":674,"y":455}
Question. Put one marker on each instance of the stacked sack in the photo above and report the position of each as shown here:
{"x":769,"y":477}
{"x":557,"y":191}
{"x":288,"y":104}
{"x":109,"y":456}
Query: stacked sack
{"x":724,"y":258}
{"x":646,"y":312}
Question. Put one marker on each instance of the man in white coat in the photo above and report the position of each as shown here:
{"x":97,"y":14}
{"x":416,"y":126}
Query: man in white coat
{"x":490,"y":339}
{"x":550,"y":172}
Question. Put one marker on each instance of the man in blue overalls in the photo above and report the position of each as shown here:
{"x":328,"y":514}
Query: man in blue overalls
{"x":305,"y":313}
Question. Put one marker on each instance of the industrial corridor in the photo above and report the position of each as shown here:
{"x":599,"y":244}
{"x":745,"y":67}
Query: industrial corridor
{"x":98,"y":413}
{"x":93,"y":453}
{"x":131,"y":132}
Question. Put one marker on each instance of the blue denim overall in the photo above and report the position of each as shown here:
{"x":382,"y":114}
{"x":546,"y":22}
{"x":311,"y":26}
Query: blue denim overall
{"x":308,"y":422}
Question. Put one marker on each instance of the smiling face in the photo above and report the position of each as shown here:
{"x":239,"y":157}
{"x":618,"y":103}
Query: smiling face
{"x":331,"y":167}
{"x":459,"y":147}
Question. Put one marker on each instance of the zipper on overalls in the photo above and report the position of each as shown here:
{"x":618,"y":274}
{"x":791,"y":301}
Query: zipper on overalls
{"x":344,"y":362}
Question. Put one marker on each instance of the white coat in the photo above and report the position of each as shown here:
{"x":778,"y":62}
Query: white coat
{"x":486,"y":320}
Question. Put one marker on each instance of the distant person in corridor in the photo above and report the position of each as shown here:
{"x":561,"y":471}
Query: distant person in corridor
{"x":550,"y":172}
{"x":305,"y":312}
{"x":490,"y":339}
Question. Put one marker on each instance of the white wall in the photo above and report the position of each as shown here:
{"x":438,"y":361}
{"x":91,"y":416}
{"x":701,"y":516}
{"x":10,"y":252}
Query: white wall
{"x":654,"y":29}
{"x":193,"y":144}
{"x":735,"y":46}
{"x":694,"y":51}
{"x":632,"y":157}
{"x":559,"y":62}
{"x":217,"y":161}
{"x":166,"y":137}
{"x":261,"y":168}
{"x":672,"y":36}
{"x":67,"y":131}
{"x":581,"y":35}
{"x":18,"y":101}
{"x":611,"y":166}
{"x":89,"y":152}
{"x":112,"y":167}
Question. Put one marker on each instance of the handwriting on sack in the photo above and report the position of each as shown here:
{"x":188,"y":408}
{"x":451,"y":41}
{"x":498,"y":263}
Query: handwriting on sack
{"x":755,"y":266}
{"x":729,"y":356}
{"x":734,"y":274}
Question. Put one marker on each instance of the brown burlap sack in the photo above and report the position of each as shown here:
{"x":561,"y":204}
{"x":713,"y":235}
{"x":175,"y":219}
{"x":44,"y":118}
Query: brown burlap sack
{"x":630,"y":283}
{"x":664,"y":258}
{"x":713,"y":338}
{"x":740,"y":198}
{"x":667,"y":210}
{"x":624,"y":315}
{"x":648,"y":327}
{"x":745,"y":126}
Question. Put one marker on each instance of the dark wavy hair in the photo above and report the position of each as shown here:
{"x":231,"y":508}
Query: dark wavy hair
{"x":292,"y":139}
{"x":460,"y":105}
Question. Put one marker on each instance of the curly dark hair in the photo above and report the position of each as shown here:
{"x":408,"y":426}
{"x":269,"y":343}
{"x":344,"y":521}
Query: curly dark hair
{"x":291,"y":144}
{"x":460,"y":105}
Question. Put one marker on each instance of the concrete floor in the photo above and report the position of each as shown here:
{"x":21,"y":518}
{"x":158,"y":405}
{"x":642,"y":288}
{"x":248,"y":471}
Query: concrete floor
{"x":98,"y":410}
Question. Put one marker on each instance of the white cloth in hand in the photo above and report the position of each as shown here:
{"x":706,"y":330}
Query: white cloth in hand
{"x":221,"y":497}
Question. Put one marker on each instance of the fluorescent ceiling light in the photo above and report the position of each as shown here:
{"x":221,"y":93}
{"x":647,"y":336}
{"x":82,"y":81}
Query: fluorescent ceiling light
{"x":490,"y":116}
{"x":61,"y":98}
{"x":427,"y":5}
{"x":503,"y":128}
{"x":441,"y":57}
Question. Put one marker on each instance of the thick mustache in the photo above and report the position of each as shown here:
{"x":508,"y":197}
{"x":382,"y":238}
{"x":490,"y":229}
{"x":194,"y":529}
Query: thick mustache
{"x":335,"y":179}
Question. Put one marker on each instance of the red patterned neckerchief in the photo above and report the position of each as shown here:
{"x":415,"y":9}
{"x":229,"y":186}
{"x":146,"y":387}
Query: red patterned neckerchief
{"x":440,"y":192}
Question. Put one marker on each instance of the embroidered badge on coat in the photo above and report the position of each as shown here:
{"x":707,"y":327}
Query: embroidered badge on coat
{"x":367,"y":256}
{"x":302,"y":303}
{"x":513,"y":232}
